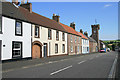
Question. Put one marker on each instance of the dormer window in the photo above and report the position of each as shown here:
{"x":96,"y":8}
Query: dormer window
{"x":57,"y":35}
{"x":36,"y":31}
{"x":18,"y":28}
{"x":49,"y":34}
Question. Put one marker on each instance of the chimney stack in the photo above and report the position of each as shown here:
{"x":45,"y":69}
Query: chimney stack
{"x":15,"y":2}
{"x":27,"y":5}
{"x":22,"y":1}
{"x":72,"y":25}
{"x":56,"y":17}
{"x":81,"y":30}
{"x":85,"y":33}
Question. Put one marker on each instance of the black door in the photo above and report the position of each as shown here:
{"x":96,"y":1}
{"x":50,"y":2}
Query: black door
{"x":0,"y":49}
{"x":45,"y":49}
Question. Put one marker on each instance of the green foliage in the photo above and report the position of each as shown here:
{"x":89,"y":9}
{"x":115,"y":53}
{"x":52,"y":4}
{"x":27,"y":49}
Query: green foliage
{"x":113,"y":42}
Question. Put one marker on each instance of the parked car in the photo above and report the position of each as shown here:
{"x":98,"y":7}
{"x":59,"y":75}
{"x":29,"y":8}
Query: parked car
{"x":108,"y":49}
{"x":103,"y":50}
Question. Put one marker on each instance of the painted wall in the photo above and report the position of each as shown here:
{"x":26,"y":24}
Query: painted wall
{"x":85,"y":44}
{"x":51,"y":43}
{"x":8,"y":29}
{"x":72,"y":43}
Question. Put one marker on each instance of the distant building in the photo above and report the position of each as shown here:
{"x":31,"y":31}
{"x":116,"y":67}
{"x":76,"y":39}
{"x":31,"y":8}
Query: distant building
{"x":74,"y":40}
{"x":102,"y":45}
{"x":92,"y":44}
{"x":85,"y":43}
{"x":95,"y":34}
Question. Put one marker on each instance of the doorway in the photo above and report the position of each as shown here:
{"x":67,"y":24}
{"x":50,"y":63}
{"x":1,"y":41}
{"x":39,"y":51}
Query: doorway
{"x":45,"y":49}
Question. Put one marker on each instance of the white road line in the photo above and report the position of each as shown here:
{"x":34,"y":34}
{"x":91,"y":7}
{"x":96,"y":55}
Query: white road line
{"x":60,"y":70}
{"x":81,"y":62}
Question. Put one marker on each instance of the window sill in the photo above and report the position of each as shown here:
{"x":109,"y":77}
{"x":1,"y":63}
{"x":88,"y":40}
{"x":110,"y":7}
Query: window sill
{"x":18,"y":35}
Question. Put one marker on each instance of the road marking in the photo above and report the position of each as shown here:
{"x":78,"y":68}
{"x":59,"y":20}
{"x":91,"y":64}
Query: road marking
{"x":81,"y":62}
{"x":113,"y":69}
{"x":60,"y":70}
{"x":7,"y":70}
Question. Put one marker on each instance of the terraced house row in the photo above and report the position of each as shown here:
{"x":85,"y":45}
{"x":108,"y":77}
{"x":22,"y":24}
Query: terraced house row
{"x":26,"y":34}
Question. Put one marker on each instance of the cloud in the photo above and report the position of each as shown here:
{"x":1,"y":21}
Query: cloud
{"x":107,"y":5}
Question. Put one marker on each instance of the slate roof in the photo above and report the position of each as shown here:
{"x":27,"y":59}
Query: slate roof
{"x":41,"y":20}
{"x":91,"y":39}
{"x":69,"y":29}
{"x":8,"y":9}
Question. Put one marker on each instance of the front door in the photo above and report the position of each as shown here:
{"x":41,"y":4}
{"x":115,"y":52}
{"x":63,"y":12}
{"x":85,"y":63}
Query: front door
{"x":45,"y":49}
{"x":36,"y":51}
{"x":76,"y":49}
{"x":0,"y":49}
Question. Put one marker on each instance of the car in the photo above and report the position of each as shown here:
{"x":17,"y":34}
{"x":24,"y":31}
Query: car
{"x":108,"y":49}
{"x":102,"y":50}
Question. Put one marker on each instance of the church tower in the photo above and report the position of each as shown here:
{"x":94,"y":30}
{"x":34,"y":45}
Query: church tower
{"x":95,"y":34}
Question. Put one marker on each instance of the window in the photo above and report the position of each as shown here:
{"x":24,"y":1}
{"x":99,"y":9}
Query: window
{"x":63,"y":37}
{"x":49,"y":34}
{"x":78,"y":48}
{"x":16,"y":49}
{"x":71,"y":48}
{"x":0,"y":24}
{"x":36,"y":31}
{"x":57,"y":35}
{"x":71,"y":38}
{"x":79,"y":40}
{"x":87,"y":48}
{"x":18,"y":28}
{"x":63,"y":48}
{"x":56,"y":48}
{"x":75,"y":39}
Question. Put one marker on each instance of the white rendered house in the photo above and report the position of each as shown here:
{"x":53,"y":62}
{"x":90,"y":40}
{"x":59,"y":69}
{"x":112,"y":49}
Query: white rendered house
{"x":15,"y":34}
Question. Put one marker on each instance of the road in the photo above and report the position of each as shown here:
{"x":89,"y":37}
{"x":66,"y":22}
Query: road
{"x":96,"y":65}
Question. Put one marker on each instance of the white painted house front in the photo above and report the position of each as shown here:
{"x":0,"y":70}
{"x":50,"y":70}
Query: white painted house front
{"x":50,"y":43}
{"x":14,"y":46}
{"x":85,"y":46}
{"x":15,"y":34}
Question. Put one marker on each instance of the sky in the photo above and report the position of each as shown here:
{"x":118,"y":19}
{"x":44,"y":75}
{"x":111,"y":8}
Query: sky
{"x":84,"y":15}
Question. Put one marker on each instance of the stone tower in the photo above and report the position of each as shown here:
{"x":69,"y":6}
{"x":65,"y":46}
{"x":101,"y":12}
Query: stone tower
{"x":95,"y":34}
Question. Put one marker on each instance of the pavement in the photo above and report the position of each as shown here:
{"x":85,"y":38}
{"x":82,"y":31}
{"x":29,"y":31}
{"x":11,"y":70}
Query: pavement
{"x":97,"y":65}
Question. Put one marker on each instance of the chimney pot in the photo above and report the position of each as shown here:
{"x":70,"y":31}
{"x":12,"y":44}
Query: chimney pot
{"x":27,"y":6}
{"x":85,"y":33}
{"x":15,"y":2}
{"x":56,"y":17}
{"x":81,"y":30}
{"x":72,"y":25}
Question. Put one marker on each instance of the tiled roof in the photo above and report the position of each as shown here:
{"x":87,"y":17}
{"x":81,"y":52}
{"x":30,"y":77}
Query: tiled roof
{"x":83,"y":36}
{"x":69,"y":29}
{"x":41,"y":20}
